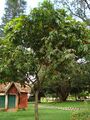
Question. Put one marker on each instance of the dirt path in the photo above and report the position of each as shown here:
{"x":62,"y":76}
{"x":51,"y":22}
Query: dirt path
{"x":59,"y":108}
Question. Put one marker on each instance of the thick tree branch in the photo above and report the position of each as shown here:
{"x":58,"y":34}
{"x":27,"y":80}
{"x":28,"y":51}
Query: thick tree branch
{"x":82,"y":15}
{"x":77,"y":15}
{"x":88,"y":5}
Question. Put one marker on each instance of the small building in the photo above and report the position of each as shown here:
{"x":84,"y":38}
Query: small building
{"x":13,"y":96}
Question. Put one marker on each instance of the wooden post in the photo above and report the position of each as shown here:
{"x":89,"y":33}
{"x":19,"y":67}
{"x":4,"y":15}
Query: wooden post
{"x":6,"y":102}
{"x":16,"y":105}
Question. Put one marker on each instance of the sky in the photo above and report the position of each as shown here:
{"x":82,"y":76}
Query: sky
{"x":30,"y":4}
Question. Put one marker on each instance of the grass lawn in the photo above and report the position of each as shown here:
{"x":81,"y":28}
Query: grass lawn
{"x":55,"y":115}
{"x":44,"y":114}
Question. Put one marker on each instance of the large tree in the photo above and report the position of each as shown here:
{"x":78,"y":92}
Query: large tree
{"x":28,"y":31}
{"x":13,"y":8}
{"x":53,"y":41}
{"x":63,"y":52}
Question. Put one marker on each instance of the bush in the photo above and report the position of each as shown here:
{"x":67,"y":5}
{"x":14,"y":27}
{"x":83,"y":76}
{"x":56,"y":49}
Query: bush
{"x":81,"y":115}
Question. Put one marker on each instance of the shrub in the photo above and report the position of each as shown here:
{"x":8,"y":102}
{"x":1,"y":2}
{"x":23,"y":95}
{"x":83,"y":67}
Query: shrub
{"x":81,"y":115}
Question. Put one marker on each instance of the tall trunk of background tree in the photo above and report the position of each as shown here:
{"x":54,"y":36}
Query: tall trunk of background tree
{"x":36,"y":105}
{"x":40,"y":94}
{"x":63,"y":96}
{"x":63,"y":92}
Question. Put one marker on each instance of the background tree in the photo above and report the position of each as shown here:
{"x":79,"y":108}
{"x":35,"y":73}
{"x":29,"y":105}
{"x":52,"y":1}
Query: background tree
{"x":13,"y":8}
{"x":78,"y":8}
{"x":80,"y":83}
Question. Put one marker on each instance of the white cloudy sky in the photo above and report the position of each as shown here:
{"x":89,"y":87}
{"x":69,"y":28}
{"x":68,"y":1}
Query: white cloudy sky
{"x":30,"y":4}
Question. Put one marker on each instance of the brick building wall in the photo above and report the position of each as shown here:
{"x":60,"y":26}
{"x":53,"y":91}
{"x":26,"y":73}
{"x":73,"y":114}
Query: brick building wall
{"x":23,"y":100}
{"x":14,"y":98}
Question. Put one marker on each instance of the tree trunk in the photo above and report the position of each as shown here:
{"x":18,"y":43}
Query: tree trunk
{"x":36,"y":105}
{"x":63,"y":96}
{"x":63,"y":93}
{"x":40,"y":94}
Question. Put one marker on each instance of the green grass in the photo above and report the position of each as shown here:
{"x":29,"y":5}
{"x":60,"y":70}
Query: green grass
{"x":19,"y":115}
{"x":55,"y":115}
{"x":44,"y":113}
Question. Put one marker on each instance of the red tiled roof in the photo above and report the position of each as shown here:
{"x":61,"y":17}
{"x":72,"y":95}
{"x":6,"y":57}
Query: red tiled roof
{"x":22,"y":88}
{"x":5,"y":86}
